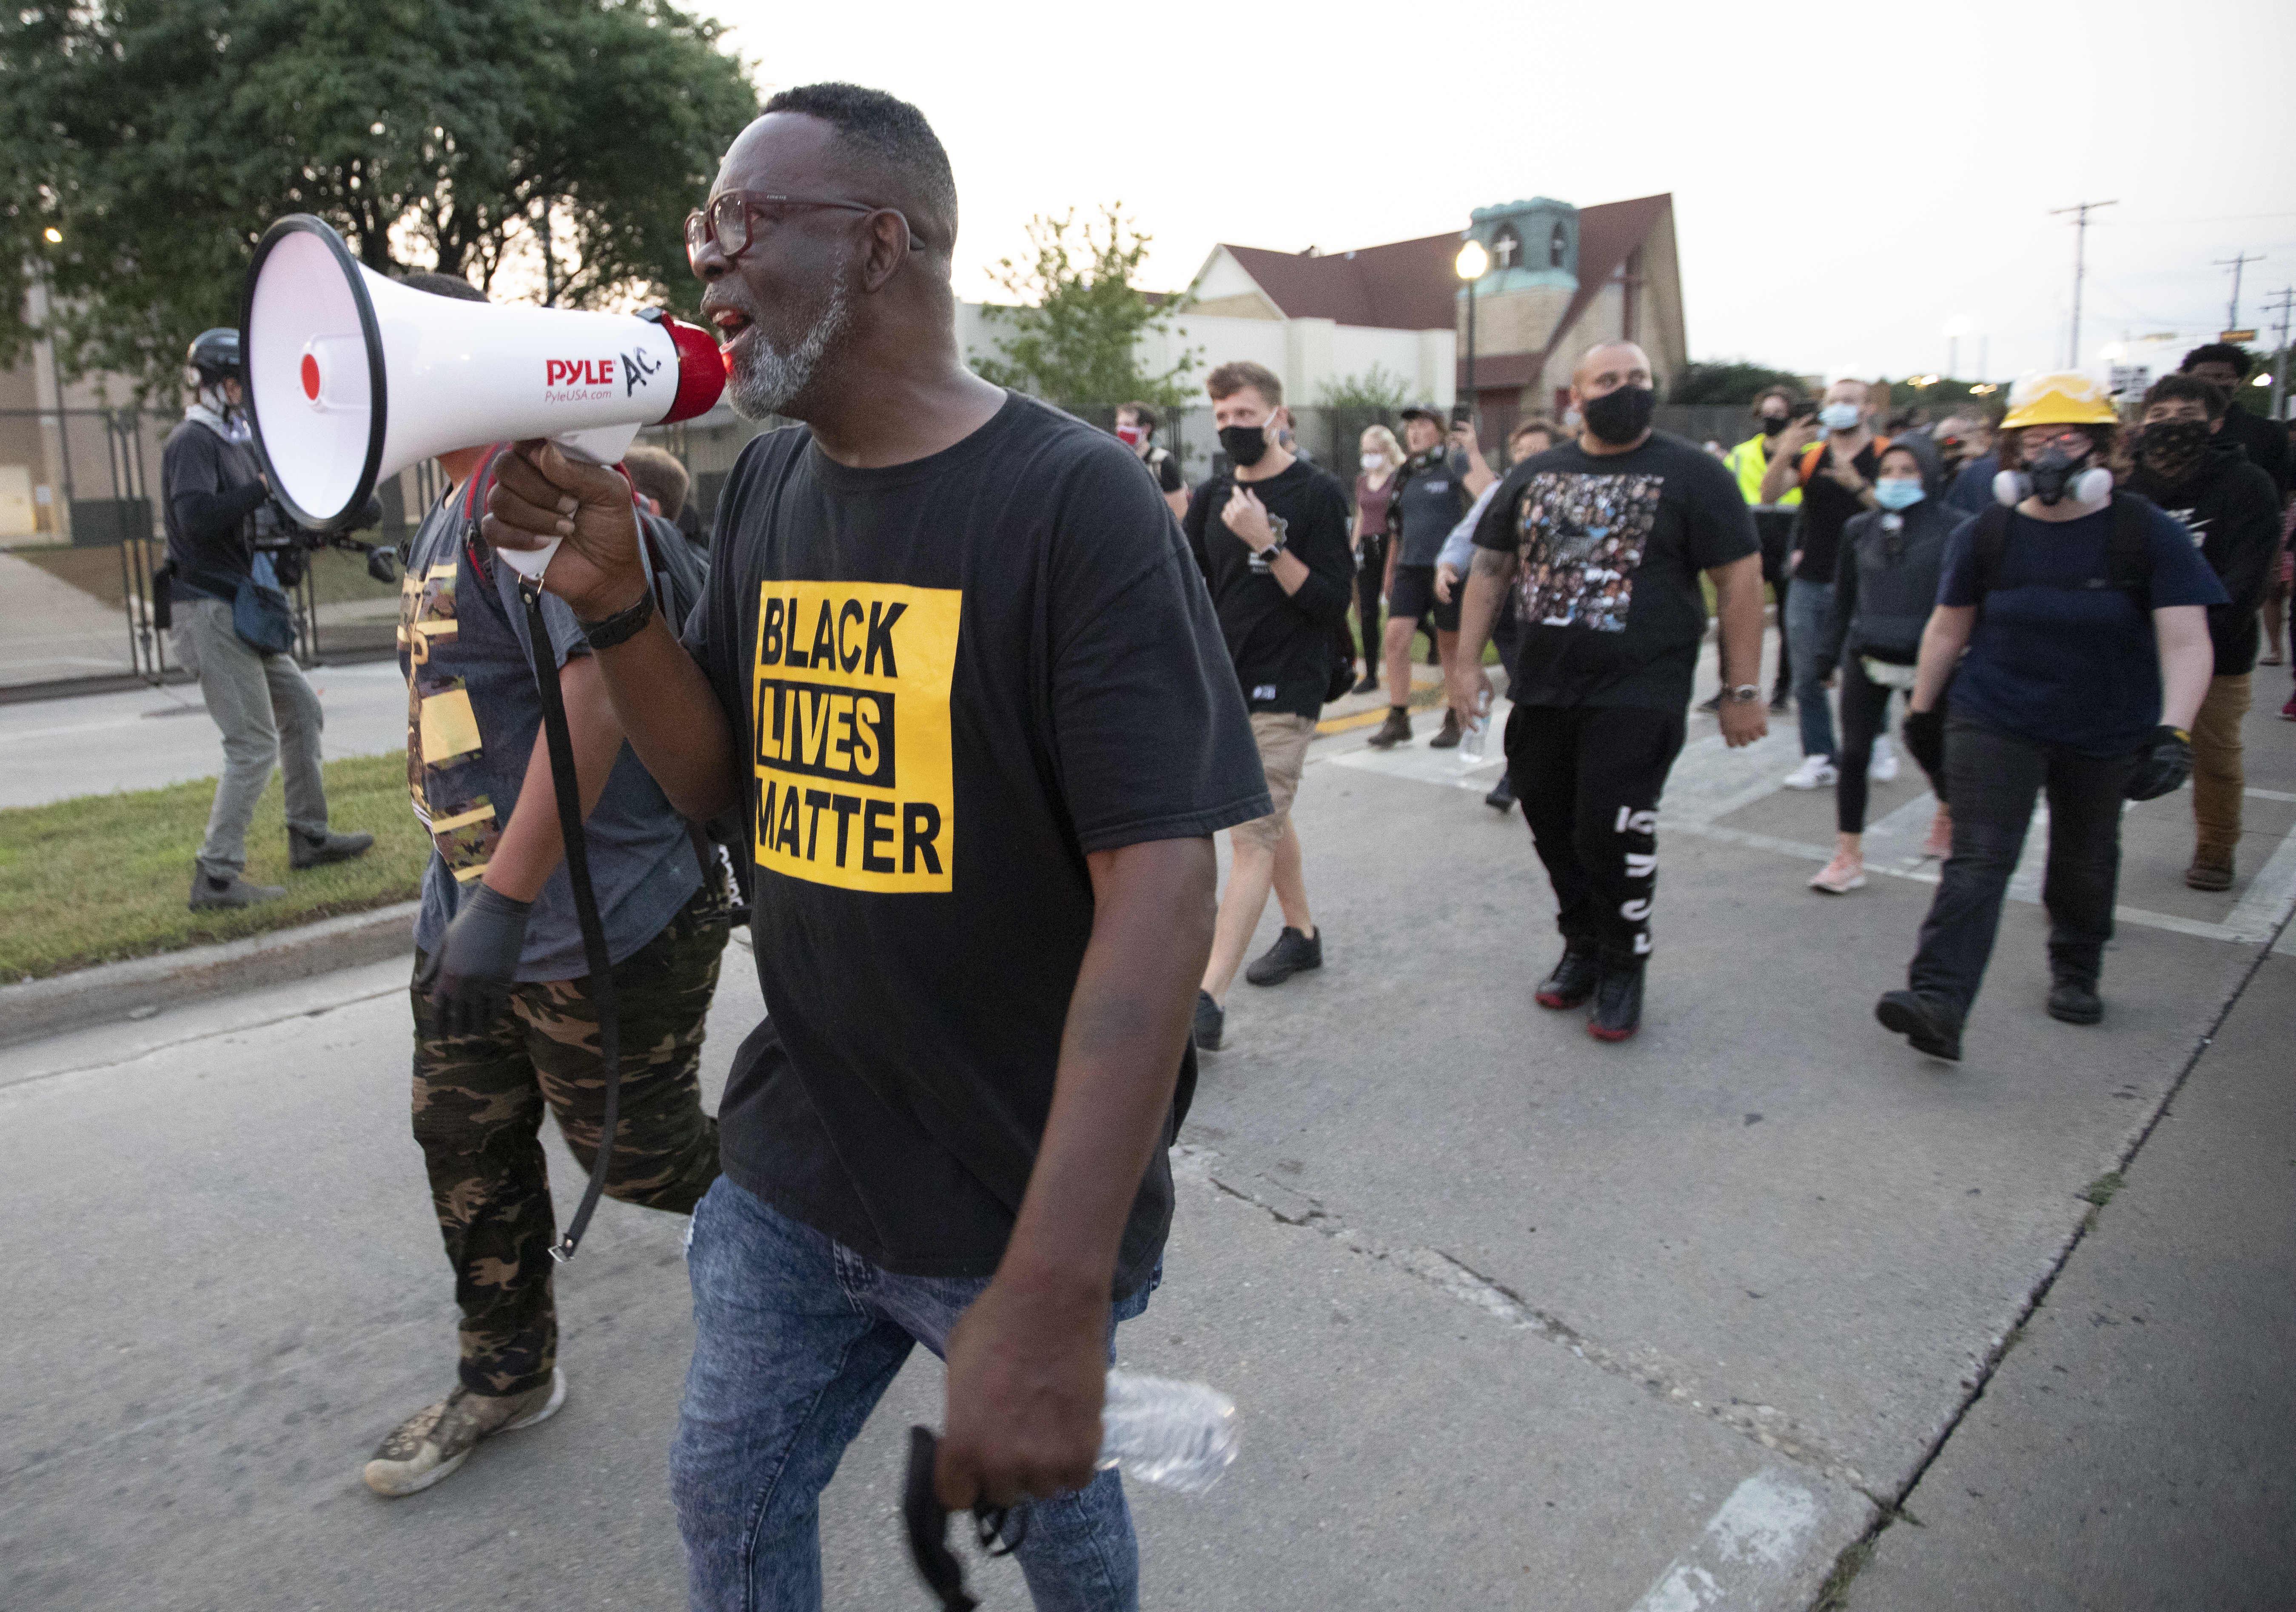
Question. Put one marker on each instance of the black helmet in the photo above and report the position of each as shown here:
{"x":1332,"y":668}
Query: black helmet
{"x":214,"y":356}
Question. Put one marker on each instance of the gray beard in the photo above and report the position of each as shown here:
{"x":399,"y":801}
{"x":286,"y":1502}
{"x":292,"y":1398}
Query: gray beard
{"x":764,"y":380}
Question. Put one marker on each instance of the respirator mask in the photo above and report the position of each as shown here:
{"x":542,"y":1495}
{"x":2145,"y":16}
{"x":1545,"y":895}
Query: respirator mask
{"x":2053,"y":477}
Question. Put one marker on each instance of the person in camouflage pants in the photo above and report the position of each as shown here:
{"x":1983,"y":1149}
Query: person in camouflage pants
{"x":478,"y":1102}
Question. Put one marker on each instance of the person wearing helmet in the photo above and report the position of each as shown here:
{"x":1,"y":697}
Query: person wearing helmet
{"x":2084,"y":614}
{"x":210,"y":487}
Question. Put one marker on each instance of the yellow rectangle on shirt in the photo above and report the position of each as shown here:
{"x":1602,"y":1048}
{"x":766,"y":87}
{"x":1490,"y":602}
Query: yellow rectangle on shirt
{"x":449,"y":728}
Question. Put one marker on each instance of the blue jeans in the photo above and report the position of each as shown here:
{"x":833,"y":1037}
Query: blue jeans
{"x":1809,"y":613}
{"x":795,"y":1339}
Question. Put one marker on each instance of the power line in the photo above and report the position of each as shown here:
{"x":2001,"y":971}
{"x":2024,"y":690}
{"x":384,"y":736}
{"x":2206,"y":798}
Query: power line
{"x":2234,"y":263}
{"x":2280,"y":359}
{"x":2081,"y":210}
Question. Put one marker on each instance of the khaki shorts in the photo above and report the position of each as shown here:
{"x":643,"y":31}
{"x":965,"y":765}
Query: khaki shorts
{"x":1283,"y":740}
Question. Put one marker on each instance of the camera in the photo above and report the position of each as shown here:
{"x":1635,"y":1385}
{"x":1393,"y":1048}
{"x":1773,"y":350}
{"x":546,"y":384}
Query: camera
{"x":1807,"y":409}
{"x":276,"y":533}
{"x":1462,"y":413}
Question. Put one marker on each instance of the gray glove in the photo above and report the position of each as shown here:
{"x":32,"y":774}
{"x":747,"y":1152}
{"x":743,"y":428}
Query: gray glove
{"x":469,"y":977}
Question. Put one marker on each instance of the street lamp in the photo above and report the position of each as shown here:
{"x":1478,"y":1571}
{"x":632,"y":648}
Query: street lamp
{"x":55,"y":236}
{"x":1472,"y":263}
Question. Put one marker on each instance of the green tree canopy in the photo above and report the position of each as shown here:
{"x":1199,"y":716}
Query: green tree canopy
{"x":1732,"y":381}
{"x":1377,"y":391}
{"x":160,"y":138}
{"x":1073,"y":339}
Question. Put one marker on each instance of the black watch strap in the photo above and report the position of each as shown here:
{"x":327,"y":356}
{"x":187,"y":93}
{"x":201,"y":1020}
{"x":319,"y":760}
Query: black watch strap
{"x":622,"y":626}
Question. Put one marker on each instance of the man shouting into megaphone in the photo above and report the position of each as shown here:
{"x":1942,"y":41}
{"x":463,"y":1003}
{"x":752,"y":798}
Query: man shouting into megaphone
{"x":956,"y":668}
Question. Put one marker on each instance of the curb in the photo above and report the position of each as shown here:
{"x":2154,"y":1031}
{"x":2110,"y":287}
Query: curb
{"x":119,"y":990}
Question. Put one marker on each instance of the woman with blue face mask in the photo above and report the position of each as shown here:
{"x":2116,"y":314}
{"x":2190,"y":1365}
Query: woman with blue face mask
{"x":1885,"y":580}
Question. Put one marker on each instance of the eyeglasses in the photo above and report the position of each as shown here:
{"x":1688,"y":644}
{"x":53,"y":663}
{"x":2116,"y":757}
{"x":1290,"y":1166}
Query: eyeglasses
{"x":726,"y":220}
{"x":2040,"y":439}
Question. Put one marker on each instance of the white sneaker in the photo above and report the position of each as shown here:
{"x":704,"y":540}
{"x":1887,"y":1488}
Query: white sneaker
{"x":1883,"y":767}
{"x":1815,"y":773}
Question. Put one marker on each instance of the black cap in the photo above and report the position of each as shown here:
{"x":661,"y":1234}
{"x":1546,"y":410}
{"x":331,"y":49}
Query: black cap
{"x":1423,"y":410}
{"x":214,"y":354}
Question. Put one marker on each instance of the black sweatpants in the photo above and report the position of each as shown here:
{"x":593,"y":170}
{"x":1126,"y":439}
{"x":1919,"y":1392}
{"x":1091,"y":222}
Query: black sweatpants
{"x":1992,"y":779}
{"x":1370,"y":577}
{"x":1589,"y":778}
{"x":1774,"y":529}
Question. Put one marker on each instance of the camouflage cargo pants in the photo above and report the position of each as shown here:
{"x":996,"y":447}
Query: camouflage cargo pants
{"x":478,"y":1102}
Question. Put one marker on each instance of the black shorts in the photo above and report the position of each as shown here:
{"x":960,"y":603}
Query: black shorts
{"x":1413,"y":597}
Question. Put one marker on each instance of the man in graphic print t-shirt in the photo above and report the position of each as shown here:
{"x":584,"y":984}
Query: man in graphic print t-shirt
{"x":956,"y":664}
{"x":1602,"y":540}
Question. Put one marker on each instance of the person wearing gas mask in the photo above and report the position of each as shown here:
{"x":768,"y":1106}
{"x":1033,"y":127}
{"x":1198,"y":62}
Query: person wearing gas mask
{"x":210,"y":487}
{"x":1750,"y":463}
{"x":1835,"y":477}
{"x":1885,"y":581}
{"x":1136,"y":427}
{"x":1605,"y":538}
{"x":2187,"y":463}
{"x":2083,"y":616}
{"x":506,"y":1024}
{"x":1440,"y":481}
{"x":1270,"y":537}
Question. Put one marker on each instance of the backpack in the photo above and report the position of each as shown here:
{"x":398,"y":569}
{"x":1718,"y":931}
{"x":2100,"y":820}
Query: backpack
{"x":2127,"y":550}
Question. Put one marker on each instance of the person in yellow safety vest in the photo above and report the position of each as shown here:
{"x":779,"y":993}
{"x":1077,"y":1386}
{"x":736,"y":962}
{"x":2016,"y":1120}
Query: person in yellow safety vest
{"x":1774,"y":407}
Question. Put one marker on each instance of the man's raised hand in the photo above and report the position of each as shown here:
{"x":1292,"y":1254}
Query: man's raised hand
{"x":541,"y":495}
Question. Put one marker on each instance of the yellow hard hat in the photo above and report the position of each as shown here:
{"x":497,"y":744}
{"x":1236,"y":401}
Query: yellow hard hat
{"x":2058,"y":397}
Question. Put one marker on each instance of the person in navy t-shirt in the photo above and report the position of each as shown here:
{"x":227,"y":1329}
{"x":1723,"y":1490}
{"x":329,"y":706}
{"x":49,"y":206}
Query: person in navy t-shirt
{"x":2082,"y":678}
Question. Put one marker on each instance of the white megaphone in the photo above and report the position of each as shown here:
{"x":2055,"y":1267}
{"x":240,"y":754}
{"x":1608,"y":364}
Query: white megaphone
{"x":351,"y":377}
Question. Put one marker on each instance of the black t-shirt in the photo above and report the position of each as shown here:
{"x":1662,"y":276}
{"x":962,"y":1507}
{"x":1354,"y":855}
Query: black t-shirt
{"x":1431,"y":502}
{"x":1826,"y":507}
{"x":209,"y":487}
{"x":1608,"y":552}
{"x":953,"y":679}
{"x":1281,"y":642}
{"x":1166,"y":469}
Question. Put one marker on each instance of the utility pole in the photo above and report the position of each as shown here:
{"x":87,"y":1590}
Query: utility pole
{"x":2080,"y":211}
{"x":2280,"y":360}
{"x":2234,"y":263}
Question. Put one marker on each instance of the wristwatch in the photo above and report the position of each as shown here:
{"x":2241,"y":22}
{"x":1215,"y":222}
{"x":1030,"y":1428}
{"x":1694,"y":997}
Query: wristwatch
{"x":1745,"y":694}
{"x":1271,"y":551}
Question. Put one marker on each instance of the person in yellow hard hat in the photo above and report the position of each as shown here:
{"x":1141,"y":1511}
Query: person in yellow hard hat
{"x":2084,"y":614}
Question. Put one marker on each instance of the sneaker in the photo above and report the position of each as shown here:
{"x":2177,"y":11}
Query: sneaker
{"x":1211,"y":1019}
{"x":1708,"y":707}
{"x":1838,"y":877}
{"x":1883,"y":766}
{"x":2211,"y":869}
{"x":1815,"y":773}
{"x":2074,"y":1001}
{"x":1925,"y":1024}
{"x":2288,"y":711}
{"x":213,"y":892}
{"x":1618,"y":1005}
{"x":1395,"y":730}
{"x":1573,"y":979}
{"x":437,"y":1440}
{"x":1781,"y":699}
{"x":1448,"y":737}
{"x":1369,"y":685}
{"x":1502,"y":795}
{"x":317,"y":851}
{"x":1292,"y":953}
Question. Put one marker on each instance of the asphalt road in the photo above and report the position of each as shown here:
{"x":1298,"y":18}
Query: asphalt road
{"x":1514,"y":1318}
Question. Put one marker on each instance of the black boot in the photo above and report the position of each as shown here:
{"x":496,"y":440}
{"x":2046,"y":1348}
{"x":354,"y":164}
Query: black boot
{"x":1930,"y":1026}
{"x":1211,"y":1020}
{"x":1617,"y":1005}
{"x":1502,"y":795}
{"x":1573,"y":979}
{"x":1292,"y":953}
{"x":2073,"y":1000}
{"x":1395,"y":730}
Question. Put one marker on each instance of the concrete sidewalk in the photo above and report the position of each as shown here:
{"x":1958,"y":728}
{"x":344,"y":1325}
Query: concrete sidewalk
{"x":2137,"y":1446}
{"x":50,"y":629}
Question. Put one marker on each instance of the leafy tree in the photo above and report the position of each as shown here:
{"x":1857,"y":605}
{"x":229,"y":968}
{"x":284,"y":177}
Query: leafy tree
{"x":160,"y":138}
{"x":1073,"y":338}
{"x":1375,"y":390}
{"x":1734,"y":381}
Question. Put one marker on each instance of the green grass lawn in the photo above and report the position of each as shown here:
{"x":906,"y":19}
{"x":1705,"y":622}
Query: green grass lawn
{"x":105,"y":877}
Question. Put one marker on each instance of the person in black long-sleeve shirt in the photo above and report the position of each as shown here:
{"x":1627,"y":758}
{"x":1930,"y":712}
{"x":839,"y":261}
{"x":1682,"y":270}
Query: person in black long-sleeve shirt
{"x":212,"y":485}
{"x":2189,"y":463}
{"x":1271,"y":535}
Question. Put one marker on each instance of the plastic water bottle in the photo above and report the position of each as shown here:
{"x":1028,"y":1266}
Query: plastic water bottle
{"x":1475,"y":743}
{"x":1178,"y":1434}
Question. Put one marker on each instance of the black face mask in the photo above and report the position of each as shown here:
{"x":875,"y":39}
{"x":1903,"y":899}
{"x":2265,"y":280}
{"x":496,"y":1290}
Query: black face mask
{"x":1772,"y":424}
{"x":2053,"y":472}
{"x":2172,"y":448}
{"x":1619,"y":417}
{"x":1245,"y":444}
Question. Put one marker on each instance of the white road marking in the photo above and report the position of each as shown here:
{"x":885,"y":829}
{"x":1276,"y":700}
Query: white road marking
{"x":1749,"y":1550}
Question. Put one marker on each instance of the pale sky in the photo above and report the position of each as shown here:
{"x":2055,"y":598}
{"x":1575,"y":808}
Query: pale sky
{"x":1847,"y":179}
